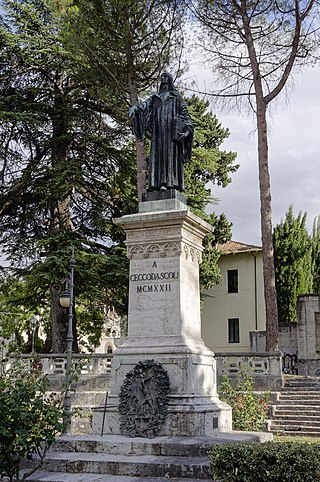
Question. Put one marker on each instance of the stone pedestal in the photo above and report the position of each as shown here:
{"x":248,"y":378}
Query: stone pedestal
{"x":164,"y":242}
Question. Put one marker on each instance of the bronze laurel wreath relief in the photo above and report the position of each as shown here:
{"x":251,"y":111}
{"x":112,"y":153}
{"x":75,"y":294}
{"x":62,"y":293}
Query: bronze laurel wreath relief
{"x":144,"y":400}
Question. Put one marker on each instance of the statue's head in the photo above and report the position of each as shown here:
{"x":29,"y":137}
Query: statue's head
{"x":166,"y":82}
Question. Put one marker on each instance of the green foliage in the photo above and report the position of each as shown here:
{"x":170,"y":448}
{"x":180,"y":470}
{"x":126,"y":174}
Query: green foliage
{"x":265,"y":462}
{"x":29,"y":419}
{"x":209,"y":269}
{"x":122,"y":45}
{"x":209,"y":164}
{"x":315,"y":239}
{"x":293,"y":263}
{"x":67,"y":168}
{"x":249,"y":410}
{"x":69,"y":163}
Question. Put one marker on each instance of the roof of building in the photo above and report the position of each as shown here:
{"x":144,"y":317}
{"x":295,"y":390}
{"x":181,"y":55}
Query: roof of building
{"x":233,"y":247}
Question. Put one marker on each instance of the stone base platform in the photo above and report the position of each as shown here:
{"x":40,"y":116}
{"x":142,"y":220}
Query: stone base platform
{"x":123,"y":459}
{"x":61,"y":477}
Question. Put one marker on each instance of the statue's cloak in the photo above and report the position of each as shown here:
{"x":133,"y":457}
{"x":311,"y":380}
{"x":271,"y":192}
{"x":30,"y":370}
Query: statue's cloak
{"x":165,"y":118}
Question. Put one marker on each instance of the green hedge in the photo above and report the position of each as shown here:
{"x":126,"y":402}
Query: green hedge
{"x":265,"y":462}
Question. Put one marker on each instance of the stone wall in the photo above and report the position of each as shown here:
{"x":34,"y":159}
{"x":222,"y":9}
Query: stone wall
{"x":308,"y":310}
{"x":298,"y":342}
{"x":288,"y":341}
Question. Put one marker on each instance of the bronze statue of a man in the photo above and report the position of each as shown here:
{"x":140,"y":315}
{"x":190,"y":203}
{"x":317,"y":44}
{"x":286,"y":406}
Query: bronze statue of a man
{"x":166,"y":116}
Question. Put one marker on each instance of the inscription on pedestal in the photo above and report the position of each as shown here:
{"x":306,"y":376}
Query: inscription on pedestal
{"x":154,"y":281}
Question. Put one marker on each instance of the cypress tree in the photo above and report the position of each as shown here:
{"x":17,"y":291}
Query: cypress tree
{"x":316,"y":254}
{"x":293,"y":263}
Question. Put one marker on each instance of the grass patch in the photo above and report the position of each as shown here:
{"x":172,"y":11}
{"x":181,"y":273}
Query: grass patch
{"x":296,"y":438}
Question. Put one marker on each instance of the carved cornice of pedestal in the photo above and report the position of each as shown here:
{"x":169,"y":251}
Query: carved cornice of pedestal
{"x":192,"y":253}
{"x":145,"y":250}
{"x":162,"y":250}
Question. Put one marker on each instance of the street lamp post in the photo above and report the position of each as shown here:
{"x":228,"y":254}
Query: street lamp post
{"x":33,"y":327}
{"x":66,"y":300}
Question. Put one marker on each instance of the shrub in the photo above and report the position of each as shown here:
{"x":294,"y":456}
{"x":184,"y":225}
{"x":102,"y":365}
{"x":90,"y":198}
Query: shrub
{"x":249,"y":410}
{"x":29,"y":419}
{"x":265,"y":462}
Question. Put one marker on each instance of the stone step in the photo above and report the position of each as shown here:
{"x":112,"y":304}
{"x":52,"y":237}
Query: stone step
{"x":296,"y":412}
{"x":164,"y":446}
{"x":280,"y":427}
{"x":87,"y":398}
{"x":81,"y":426}
{"x":85,"y":382}
{"x":300,"y":393}
{"x":301,"y":388}
{"x":294,"y":433}
{"x":128,"y":465}
{"x":295,"y":416}
{"x":302,"y":382}
{"x":305,"y":423}
{"x":300,"y":402}
{"x":173,"y":458}
{"x":299,"y":396}
{"x":296,"y":408}
{"x":87,"y":477}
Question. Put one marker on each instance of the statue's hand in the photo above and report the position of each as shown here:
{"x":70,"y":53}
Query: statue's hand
{"x":182,"y":135}
{"x":133,"y":110}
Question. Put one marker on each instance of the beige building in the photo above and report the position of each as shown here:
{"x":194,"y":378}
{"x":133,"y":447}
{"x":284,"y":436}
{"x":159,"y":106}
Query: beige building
{"x":235,"y":307}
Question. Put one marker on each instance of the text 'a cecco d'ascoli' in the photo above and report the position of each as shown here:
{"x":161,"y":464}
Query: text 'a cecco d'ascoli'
{"x":166,"y":276}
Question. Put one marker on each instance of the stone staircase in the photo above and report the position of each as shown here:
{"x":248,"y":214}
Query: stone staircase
{"x":87,"y":392}
{"x":114,"y":458}
{"x":297,"y":410}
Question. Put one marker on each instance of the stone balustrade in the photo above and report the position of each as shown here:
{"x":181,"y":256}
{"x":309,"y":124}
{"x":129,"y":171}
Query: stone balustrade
{"x":55,"y":364}
{"x":266,"y":368}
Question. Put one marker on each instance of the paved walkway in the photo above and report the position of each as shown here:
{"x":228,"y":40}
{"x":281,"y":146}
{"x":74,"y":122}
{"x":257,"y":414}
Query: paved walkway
{"x":62,"y":477}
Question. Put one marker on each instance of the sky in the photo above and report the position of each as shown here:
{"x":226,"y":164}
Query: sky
{"x":294,"y":158}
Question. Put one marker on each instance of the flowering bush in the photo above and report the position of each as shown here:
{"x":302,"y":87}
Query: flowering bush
{"x":29,"y":419}
{"x":249,"y":410}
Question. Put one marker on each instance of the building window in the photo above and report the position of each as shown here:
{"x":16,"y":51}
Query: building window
{"x":233,"y":330}
{"x":232,"y":280}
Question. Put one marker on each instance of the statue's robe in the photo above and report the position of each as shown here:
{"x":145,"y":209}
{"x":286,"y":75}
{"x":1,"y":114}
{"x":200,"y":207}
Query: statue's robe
{"x":165,"y":116}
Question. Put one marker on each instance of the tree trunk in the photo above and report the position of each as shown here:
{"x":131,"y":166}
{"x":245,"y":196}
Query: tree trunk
{"x":60,"y":216}
{"x":141,"y":169}
{"x":59,"y":321}
{"x":141,"y":156}
{"x":266,"y":230}
{"x":270,"y":294}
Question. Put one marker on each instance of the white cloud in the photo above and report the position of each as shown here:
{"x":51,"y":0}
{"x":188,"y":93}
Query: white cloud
{"x":294,"y":159}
